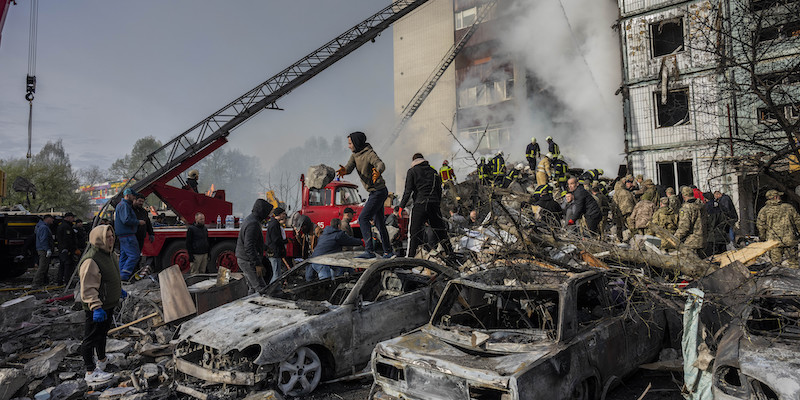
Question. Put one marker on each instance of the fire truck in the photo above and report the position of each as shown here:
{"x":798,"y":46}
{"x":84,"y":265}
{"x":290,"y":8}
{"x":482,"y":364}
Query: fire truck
{"x":165,"y":165}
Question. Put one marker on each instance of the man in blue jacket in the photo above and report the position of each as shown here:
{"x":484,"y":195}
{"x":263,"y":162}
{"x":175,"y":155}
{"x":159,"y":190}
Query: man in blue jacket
{"x":330,"y":242}
{"x":44,"y":248}
{"x":126,"y":224}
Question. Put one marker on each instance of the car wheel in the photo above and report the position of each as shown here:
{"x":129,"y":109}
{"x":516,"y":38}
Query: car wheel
{"x":300,"y":374}
{"x":581,"y":391}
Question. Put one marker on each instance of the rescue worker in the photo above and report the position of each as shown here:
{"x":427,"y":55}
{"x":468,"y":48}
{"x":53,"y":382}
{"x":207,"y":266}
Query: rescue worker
{"x":498,"y":168}
{"x":191,"y":182}
{"x":370,"y":168}
{"x":552,"y":147}
{"x":532,"y":153}
{"x":591,"y":175}
{"x":512,"y":175}
{"x":425,"y":185}
{"x":483,"y":171}
{"x":692,"y":223}
{"x":126,"y":224}
{"x":550,"y":211}
{"x":622,"y":204}
{"x":67,"y":247}
{"x":543,"y":170}
{"x":44,"y":249}
{"x":666,"y":218}
{"x":779,"y":221}
{"x":446,"y":172}
{"x":333,"y":240}
{"x":250,"y":245}
{"x":642,"y":214}
{"x":559,"y":167}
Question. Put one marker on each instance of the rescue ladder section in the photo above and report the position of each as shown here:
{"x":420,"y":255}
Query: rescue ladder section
{"x":180,"y":153}
{"x":423,"y":92}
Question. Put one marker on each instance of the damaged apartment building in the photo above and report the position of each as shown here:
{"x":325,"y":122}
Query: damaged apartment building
{"x":710,"y":93}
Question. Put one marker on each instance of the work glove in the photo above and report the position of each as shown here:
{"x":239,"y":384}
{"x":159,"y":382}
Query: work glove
{"x":123,"y":294}
{"x":571,"y":222}
{"x":99,"y":315}
{"x":49,"y":253}
{"x":375,"y":175}
{"x":152,"y":238}
{"x":342,"y":171}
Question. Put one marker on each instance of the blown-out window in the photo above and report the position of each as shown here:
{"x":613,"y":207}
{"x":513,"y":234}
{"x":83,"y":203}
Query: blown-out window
{"x":667,"y":37}
{"x":673,"y":109}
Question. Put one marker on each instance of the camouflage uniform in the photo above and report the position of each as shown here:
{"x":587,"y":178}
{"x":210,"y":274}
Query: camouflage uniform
{"x":623,"y":204}
{"x":691,"y":226}
{"x":641,"y":215}
{"x":665,"y":218}
{"x":779,"y":221}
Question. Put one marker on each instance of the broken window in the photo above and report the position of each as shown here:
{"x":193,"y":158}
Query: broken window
{"x":777,"y":316}
{"x":675,"y":174}
{"x":768,"y":116}
{"x":667,"y":37}
{"x":674,"y":110}
{"x":759,"y":5}
{"x":778,"y":77}
{"x":783,"y":31}
{"x":395,"y":282}
{"x":590,"y":304}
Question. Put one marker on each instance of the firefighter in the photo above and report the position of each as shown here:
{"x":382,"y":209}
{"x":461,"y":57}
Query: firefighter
{"x":532,"y":153}
{"x":191,"y":182}
{"x":483,"y":171}
{"x":552,"y":147}
{"x":543,"y":170}
{"x":446,"y":172}
{"x":559,"y":169}
{"x":498,"y":168}
{"x":591,"y":175}
{"x":512,"y":175}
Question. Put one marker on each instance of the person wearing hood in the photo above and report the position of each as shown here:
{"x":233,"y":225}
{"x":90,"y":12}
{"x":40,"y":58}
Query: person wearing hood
{"x":331,"y":241}
{"x":100,"y":291}
{"x":44,"y":249}
{"x":276,"y":239}
{"x":369,"y":167}
{"x":250,"y":245}
{"x":425,"y":184}
{"x":67,"y":247}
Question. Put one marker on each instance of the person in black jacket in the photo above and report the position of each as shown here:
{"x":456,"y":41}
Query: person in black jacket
{"x":250,"y":245}
{"x":141,"y":214}
{"x":550,"y":211}
{"x":276,"y":241}
{"x":67,"y":246}
{"x":197,"y":244}
{"x":585,"y":206}
{"x":425,"y":184}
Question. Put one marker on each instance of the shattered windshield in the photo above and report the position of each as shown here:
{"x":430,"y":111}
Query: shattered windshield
{"x":508,"y":315}
{"x":293,"y":286}
{"x":776,"y":317}
{"x":347,"y":196}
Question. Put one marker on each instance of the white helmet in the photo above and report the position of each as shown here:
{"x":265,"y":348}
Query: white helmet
{"x":533,"y":140}
{"x":549,"y":155}
{"x":520,"y":166}
{"x":194,"y":174}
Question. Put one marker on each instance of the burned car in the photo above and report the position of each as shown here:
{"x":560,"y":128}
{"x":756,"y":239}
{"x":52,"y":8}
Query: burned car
{"x":299,"y":333}
{"x":522,"y":333}
{"x":758,"y":356}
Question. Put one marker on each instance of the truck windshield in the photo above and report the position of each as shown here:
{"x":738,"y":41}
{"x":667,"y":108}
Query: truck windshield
{"x":347,"y":196}
{"x":319,"y":197}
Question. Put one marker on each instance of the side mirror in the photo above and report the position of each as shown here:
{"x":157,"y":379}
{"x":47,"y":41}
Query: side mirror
{"x":360,"y":303}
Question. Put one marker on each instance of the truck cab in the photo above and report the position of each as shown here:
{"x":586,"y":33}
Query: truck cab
{"x":322,"y":205}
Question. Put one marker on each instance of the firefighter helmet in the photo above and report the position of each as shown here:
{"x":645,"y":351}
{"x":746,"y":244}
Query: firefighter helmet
{"x":444,"y":162}
{"x":549,"y":138}
{"x":549,"y":155}
{"x":519,"y":166}
{"x":600,"y":171}
{"x":194,"y":174}
{"x":533,"y":140}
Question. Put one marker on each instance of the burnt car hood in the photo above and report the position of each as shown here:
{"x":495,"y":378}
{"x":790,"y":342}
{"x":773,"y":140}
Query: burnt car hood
{"x":248,"y":320}
{"x":776,"y":362}
{"x":426,"y":350}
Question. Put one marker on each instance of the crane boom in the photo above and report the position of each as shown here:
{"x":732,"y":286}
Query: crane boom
{"x":180,"y":153}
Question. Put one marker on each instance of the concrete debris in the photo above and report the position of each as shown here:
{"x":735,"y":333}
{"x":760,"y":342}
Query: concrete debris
{"x":44,"y":394}
{"x":118,"y":346}
{"x":266,"y":395}
{"x":15,"y":311}
{"x":115,"y":393}
{"x":11,"y":380}
{"x":319,"y":176}
{"x":69,"y":390}
{"x":47,"y":362}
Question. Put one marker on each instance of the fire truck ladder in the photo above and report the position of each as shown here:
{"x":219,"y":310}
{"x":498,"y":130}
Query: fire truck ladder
{"x":423,"y":92}
{"x":180,"y":153}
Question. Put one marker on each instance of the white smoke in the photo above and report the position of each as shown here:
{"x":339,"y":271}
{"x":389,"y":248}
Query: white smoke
{"x":570,"y":47}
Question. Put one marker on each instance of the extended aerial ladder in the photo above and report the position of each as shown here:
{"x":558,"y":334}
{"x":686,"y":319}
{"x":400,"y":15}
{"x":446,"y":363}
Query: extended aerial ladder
{"x":426,"y":88}
{"x":180,"y":153}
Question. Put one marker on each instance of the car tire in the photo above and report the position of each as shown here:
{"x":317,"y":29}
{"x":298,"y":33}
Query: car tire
{"x":176,"y":253}
{"x":223,"y":254}
{"x":300,"y":374}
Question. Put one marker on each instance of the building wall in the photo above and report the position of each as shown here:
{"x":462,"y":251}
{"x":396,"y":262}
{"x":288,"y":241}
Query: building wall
{"x":421,"y":39}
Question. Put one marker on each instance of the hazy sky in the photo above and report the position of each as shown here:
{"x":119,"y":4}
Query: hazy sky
{"x":111,"y":72}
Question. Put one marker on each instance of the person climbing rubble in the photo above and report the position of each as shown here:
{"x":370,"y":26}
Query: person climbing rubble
{"x":543,"y":171}
{"x":532,"y":153}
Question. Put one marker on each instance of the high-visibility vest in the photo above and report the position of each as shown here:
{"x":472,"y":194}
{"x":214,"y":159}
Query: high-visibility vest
{"x":446,"y":172}
{"x":498,"y":164}
{"x":482,"y":172}
{"x":559,"y":170}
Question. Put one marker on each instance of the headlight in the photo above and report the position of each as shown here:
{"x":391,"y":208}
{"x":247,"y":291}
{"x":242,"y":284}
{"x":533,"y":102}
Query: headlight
{"x":732,"y":382}
{"x":484,"y":393}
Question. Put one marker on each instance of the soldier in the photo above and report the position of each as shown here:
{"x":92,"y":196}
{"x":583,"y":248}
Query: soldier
{"x":642,"y":214}
{"x":543,"y":170}
{"x":559,"y":168}
{"x":552,"y":147}
{"x":623,"y":203}
{"x":692,"y":223}
{"x":779,"y":221}
{"x":665,"y":218}
{"x":532,"y":153}
{"x":447,"y":172}
{"x":605,"y":207}
{"x":674,"y":201}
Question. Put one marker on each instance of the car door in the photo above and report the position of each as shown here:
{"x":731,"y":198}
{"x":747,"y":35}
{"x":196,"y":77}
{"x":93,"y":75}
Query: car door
{"x":390,"y":305}
{"x":600,"y":328}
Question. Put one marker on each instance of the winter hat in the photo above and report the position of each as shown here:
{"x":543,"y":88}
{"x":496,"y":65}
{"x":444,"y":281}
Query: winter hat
{"x":278,"y":211}
{"x":359,"y":140}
